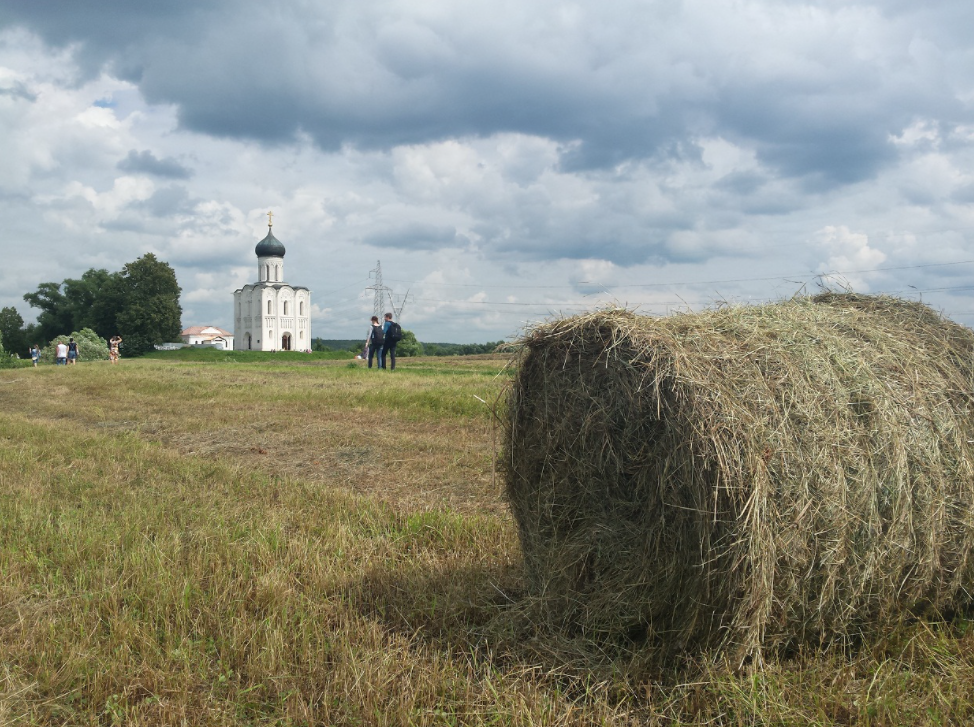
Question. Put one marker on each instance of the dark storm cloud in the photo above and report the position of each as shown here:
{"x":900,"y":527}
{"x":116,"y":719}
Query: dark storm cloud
{"x":103,"y":23}
{"x":115,"y":31}
{"x":641,"y":83}
{"x":145,"y":162}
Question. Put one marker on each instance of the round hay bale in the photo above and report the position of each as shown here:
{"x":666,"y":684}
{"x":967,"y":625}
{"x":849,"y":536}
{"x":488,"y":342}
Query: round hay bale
{"x":748,"y":478}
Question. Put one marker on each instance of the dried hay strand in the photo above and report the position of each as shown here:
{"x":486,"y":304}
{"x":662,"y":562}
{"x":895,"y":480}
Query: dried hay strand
{"x":748,"y":478}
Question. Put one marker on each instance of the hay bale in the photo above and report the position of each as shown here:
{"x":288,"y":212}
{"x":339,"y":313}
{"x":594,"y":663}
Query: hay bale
{"x":747,"y":478}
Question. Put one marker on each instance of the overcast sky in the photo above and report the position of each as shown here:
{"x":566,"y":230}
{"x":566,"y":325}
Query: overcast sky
{"x":505,"y":161}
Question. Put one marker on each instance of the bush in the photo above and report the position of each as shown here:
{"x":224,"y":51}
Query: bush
{"x":6,"y":360}
{"x":91,"y":346}
{"x":409,"y":346}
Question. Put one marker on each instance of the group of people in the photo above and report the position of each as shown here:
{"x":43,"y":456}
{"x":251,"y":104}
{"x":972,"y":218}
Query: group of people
{"x":67,"y":353}
{"x":381,"y":342}
{"x":64,"y":353}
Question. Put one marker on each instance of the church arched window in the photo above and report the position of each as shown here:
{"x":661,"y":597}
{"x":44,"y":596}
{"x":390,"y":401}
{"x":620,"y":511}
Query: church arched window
{"x":277,"y":272}
{"x":301,"y":308}
{"x":267,"y":272}
{"x":268,"y":307}
{"x":285,"y":307}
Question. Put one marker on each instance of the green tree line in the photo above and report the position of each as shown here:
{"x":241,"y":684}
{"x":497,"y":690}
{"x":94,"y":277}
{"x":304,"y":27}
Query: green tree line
{"x":459,"y":349}
{"x":410,"y":346}
{"x":140,"y":303}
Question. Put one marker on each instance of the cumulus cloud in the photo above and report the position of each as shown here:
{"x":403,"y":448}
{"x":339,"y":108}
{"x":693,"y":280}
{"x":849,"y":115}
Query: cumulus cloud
{"x":851,"y":261}
{"x":593,"y":276}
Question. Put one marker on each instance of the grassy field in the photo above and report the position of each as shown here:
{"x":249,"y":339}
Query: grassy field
{"x":307,"y":542}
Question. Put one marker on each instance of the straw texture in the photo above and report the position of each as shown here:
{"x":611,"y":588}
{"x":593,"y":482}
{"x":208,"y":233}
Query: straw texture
{"x":747,"y":478}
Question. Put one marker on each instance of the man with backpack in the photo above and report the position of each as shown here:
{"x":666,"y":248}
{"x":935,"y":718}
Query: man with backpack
{"x":392,"y":336}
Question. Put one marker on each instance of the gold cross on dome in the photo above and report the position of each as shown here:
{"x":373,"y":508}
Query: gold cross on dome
{"x":270,"y":219}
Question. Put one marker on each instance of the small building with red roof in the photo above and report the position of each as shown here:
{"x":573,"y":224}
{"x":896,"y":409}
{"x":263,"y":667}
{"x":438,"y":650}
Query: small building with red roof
{"x":207,"y":336}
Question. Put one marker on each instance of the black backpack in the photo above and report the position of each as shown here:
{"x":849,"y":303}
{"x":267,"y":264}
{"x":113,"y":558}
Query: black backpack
{"x":377,"y":336}
{"x":394,"y":334}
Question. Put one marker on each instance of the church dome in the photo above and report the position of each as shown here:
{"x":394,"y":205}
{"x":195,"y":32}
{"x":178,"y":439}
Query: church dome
{"x":270,"y":246}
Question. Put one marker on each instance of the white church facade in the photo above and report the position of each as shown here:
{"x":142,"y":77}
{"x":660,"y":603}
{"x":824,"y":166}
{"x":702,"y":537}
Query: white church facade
{"x":271,"y":315}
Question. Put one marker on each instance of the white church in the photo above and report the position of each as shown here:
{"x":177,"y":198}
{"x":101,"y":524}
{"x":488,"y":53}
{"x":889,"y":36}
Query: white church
{"x":271,"y":315}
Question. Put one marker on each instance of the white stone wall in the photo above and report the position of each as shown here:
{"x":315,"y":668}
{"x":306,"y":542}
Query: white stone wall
{"x":270,"y":270}
{"x":259,"y":310}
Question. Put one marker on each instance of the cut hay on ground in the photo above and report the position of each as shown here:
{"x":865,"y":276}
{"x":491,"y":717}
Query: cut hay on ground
{"x":749,"y":478}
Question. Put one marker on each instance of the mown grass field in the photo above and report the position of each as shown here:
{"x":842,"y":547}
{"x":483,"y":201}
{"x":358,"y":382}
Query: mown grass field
{"x":280,"y":542}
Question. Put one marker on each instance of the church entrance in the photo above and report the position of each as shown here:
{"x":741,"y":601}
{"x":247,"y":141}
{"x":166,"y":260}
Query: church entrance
{"x":286,"y":342}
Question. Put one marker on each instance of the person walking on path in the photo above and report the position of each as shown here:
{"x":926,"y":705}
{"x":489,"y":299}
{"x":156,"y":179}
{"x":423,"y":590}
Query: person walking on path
{"x":61,"y":355}
{"x":72,"y":351}
{"x":376,"y":341}
{"x":393,"y":334}
{"x":35,"y":355}
{"x":113,"y":345}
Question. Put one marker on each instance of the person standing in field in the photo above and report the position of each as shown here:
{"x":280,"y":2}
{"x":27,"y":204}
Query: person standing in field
{"x":113,"y":345}
{"x":376,"y":340}
{"x":35,"y":354}
{"x":61,"y":355}
{"x":72,"y":351}
{"x":393,"y":334}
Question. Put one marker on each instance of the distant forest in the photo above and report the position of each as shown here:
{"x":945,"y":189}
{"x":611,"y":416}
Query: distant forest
{"x":425,"y":349}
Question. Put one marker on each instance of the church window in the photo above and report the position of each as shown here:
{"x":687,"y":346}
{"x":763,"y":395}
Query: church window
{"x":268,"y":307}
{"x":285,"y":307}
{"x":267,"y":272}
{"x":301,"y":308}
{"x":277,"y":271}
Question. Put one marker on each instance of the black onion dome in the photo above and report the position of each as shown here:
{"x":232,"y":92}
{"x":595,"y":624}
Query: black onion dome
{"x":270,"y":246}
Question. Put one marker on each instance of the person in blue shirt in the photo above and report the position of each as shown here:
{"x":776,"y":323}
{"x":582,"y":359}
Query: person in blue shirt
{"x":392,"y":333}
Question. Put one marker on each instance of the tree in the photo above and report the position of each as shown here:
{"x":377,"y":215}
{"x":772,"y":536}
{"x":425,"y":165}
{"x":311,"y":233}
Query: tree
{"x":107,"y":305}
{"x":408,"y":345}
{"x":6,"y":360}
{"x":69,"y":305}
{"x":81,"y":295}
{"x":12,"y":332}
{"x":147,"y":298}
{"x":140,"y":303}
{"x":55,"y":316}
